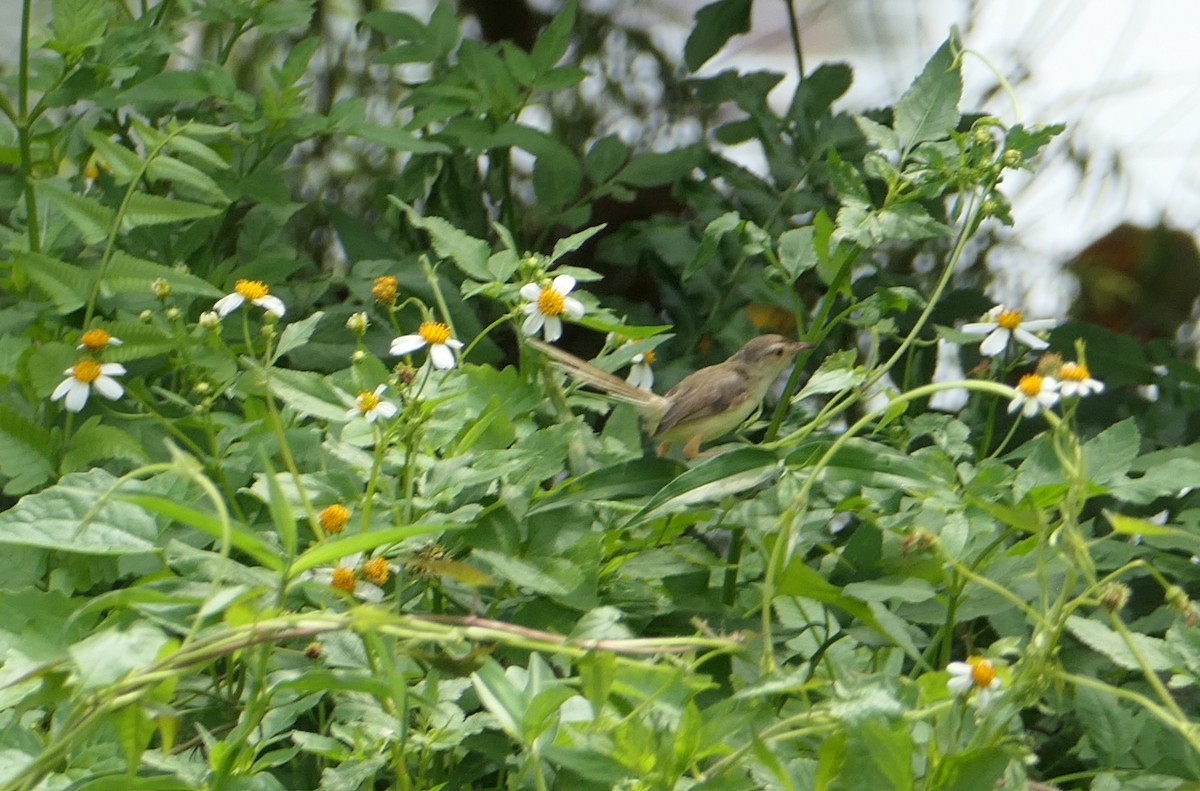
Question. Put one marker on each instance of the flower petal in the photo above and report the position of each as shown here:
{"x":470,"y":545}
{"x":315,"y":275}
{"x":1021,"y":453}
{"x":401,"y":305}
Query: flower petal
{"x":407,"y":344}
{"x":108,"y":387}
{"x":979,"y":327}
{"x":77,"y":396}
{"x":441,"y":356}
{"x":563,"y":284}
{"x":271,"y":304}
{"x":1029,"y":339}
{"x":1039,"y":325}
{"x":531,"y":292}
{"x":533,"y":323}
{"x":573,"y":307}
{"x":386,"y":409}
{"x":552,"y":330}
{"x":994,"y":343}
{"x":112,"y":369}
{"x":1015,"y":404}
{"x":228,"y":303}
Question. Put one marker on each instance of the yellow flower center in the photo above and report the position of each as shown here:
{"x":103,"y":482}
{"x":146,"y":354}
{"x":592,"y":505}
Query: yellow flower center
{"x":376,"y":570}
{"x":1030,"y":385}
{"x":91,"y":171}
{"x":983,"y":672}
{"x":252,"y":289}
{"x":434,"y":332}
{"x":1010,"y":319}
{"x":95,"y":340}
{"x":1074,"y":372}
{"x":649,"y":358}
{"x":367,"y":401}
{"x":344,"y":579}
{"x":384,"y":288}
{"x":86,"y":371}
{"x":550,"y":302}
{"x":334,"y":517}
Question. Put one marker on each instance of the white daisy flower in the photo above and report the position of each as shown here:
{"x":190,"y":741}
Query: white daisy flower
{"x":1004,"y":324}
{"x":1075,"y":380}
{"x":254,"y":290}
{"x":640,"y":373}
{"x":370,"y":404}
{"x":436,"y":336}
{"x":83,"y":377}
{"x":97,"y":339}
{"x":1034,"y":392}
{"x":347,"y":576}
{"x":976,"y":673}
{"x":546,"y":303}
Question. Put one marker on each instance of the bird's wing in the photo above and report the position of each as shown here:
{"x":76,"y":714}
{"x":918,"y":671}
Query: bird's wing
{"x":724,"y":390}
{"x":612,"y":385}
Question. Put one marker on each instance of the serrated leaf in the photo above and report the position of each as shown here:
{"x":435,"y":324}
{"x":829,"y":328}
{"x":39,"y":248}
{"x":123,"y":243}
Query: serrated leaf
{"x":716,"y":23}
{"x":125,"y":164}
{"x":66,"y":284}
{"x":573,"y":242}
{"x":25,"y":457}
{"x":92,"y":218}
{"x":928,"y":110}
{"x":308,"y":394}
{"x":143,"y":209}
{"x":93,"y":441}
{"x":109,"y":655}
{"x":467,"y":252}
{"x":297,"y":334}
{"x":1104,"y":640}
{"x":838,"y":372}
{"x":179,"y":173}
{"x":194,"y":149}
{"x":74,"y":516}
{"x":797,"y":254}
{"x":127,"y":274}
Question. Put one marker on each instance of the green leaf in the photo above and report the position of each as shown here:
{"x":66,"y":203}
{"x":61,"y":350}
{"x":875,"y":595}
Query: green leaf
{"x":1100,"y":638}
{"x":125,"y":164}
{"x":396,"y":139}
{"x":628,"y":480}
{"x":1111,"y":453}
{"x":1132,"y":526}
{"x":467,"y":252}
{"x":93,"y":441}
{"x":78,"y":515}
{"x":837,"y":372}
{"x":67,"y":285}
{"x":92,"y":218}
{"x":110,"y":655}
{"x":570,"y":244}
{"x":797,"y":254}
{"x":730,"y":473}
{"x":552,"y":576}
{"x":197,"y":151}
{"x":173,"y":88}
{"x":179,"y":173}
{"x":729,"y":222}
{"x":716,"y":23}
{"x":551,"y":45}
{"x":25,"y":457}
{"x":235,"y":534}
{"x":604,"y":158}
{"x":502,"y":698}
{"x":127,"y":274}
{"x":297,"y":334}
{"x":654,"y":168}
{"x":144,"y":209}
{"x":308,"y":393}
{"x":557,"y":178}
{"x":333,"y":549}
{"x":928,"y":110}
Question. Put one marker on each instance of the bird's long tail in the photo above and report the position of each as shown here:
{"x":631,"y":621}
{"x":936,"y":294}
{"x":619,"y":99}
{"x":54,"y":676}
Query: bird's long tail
{"x":651,"y":405}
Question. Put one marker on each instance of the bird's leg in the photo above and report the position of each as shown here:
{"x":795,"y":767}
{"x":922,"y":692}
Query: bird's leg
{"x":692,"y":449}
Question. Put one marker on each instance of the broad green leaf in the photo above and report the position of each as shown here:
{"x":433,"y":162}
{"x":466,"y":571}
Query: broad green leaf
{"x":729,"y":222}
{"x":628,"y":480}
{"x":928,"y":110}
{"x":396,"y":138}
{"x":716,"y":23}
{"x":145,"y":209}
{"x":797,"y":254}
{"x":25,"y":452}
{"x":110,"y":655}
{"x":551,"y":576}
{"x":125,"y":164}
{"x":238,"y":535}
{"x":296,"y":334}
{"x":127,"y":274}
{"x":1104,"y":640}
{"x":838,"y":372}
{"x":467,"y":252}
{"x":1110,"y":728}
{"x":500,"y":696}
{"x":655,"y":168}
{"x":1133,"y":526}
{"x":308,"y":393}
{"x":67,"y":285}
{"x":728,"y":474}
{"x":1111,"y":453}
{"x":78,"y":514}
{"x":604,"y":158}
{"x":93,"y":441}
{"x":551,"y":45}
{"x":179,"y":173}
{"x":93,"y":219}
{"x":557,"y":179}
{"x":193,"y":149}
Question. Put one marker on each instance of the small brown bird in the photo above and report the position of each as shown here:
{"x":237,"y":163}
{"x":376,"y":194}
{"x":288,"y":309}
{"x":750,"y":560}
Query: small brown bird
{"x":706,"y":404}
